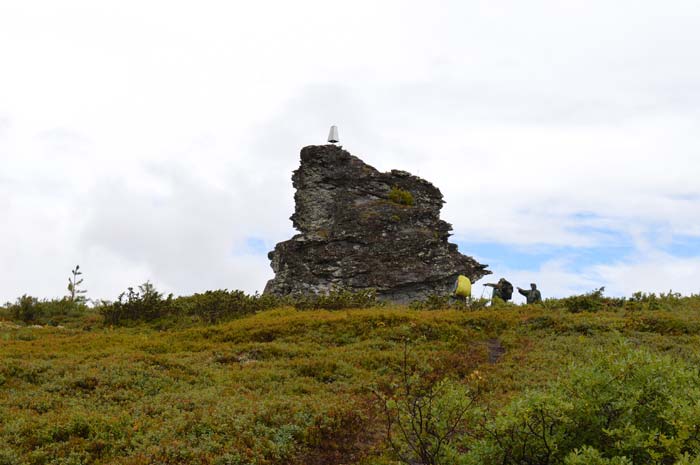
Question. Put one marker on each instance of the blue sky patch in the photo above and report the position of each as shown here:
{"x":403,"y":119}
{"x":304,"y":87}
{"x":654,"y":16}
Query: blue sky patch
{"x":533,"y":257}
{"x":257,"y":245}
{"x":682,"y":246}
{"x":253,"y":246}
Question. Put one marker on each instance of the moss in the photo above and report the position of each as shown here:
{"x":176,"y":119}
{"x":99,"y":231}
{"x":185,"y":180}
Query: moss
{"x":401,"y":196}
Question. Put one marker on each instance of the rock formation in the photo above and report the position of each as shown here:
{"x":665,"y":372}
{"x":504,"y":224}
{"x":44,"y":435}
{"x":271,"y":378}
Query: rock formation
{"x":361,"y":229}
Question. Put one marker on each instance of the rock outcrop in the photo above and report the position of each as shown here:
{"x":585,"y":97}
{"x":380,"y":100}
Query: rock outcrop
{"x":361,"y":229}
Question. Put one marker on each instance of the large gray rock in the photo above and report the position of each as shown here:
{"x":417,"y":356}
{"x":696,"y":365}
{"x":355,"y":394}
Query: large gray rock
{"x":361,"y":229}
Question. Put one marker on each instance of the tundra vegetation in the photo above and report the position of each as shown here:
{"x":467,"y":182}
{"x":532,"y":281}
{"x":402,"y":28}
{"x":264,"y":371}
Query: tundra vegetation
{"x":227,"y":378}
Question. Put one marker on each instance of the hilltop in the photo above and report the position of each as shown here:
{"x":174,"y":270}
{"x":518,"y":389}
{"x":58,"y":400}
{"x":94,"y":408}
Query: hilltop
{"x":287,"y":386}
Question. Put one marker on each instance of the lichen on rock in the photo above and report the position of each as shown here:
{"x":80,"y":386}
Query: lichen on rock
{"x":361,"y":229}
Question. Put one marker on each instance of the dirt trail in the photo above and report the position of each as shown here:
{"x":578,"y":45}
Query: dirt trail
{"x":496,"y":350}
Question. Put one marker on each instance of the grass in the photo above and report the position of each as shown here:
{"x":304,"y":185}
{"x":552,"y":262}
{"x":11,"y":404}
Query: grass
{"x":284,"y":386}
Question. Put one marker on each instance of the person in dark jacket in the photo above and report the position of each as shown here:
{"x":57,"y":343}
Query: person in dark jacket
{"x":532,"y":296}
{"x":502,"y":290}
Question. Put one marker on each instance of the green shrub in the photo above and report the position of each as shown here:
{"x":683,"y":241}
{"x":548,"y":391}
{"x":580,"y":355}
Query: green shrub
{"x":432,"y":302}
{"x":325,"y":371}
{"x":625,"y":406}
{"x":425,"y":414}
{"x":32,"y":310}
{"x":212,"y":306}
{"x":650,"y":301}
{"x":220,"y":305}
{"x":688,"y":460}
{"x":146,"y":305}
{"x":401,"y":196}
{"x":670,"y":296}
{"x":338,"y":299}
{"x":8,"y":457}
{"x":540,"y":322}
{"x":24,"y":309}
{"x":590,"y":456}
{"x":652,"y":324}
{"x":446,"y":301}
{"x":591,"y":302}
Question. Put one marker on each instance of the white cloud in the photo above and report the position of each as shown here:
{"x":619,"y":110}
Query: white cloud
{"x":150,"y":139}
{"x":557,"y":278}
{"x":648,"y":271}
{"x":656,"y":273}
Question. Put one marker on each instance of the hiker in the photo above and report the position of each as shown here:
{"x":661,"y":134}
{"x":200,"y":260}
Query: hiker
{"x":502,"y":290}
{"x":532,"y":296}
{"x":462,"y":288}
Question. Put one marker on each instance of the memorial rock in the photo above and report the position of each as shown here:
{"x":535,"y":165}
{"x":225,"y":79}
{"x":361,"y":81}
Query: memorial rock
{"x":362,"y":229}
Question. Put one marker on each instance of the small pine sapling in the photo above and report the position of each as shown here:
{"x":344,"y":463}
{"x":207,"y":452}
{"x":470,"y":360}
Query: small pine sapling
{"x":76,"y":294}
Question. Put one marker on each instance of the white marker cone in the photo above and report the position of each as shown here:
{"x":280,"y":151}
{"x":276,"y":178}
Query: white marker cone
{"x":333,"y":135}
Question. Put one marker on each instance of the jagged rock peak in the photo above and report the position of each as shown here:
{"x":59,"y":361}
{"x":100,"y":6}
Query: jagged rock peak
{"x":360,"y":228}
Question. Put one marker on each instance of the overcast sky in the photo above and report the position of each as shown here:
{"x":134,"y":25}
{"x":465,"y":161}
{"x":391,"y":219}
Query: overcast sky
{"x":154,"y":140}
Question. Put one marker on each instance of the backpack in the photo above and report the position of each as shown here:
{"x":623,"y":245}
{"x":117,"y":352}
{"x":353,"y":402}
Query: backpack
{"x":507,"y":290}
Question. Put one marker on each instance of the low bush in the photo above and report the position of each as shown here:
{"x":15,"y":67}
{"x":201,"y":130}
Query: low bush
{"x":650,"y":301}
{"x":337,"y":299}
{"x":29,"y":309}
{"x":591,"y":302}
{"x":221,"y":305}
{"x":540,"y":322}
{"x":621,"y":407}
{"x":670,"y":297}
{"x":662,"y":325}
{"x":444,"y":301}
{"x":147,"y":304}
{"x":424,"y":414}
{"x":433,"y":302}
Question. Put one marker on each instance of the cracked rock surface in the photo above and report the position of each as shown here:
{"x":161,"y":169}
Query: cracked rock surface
{"x":361,"y":229}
